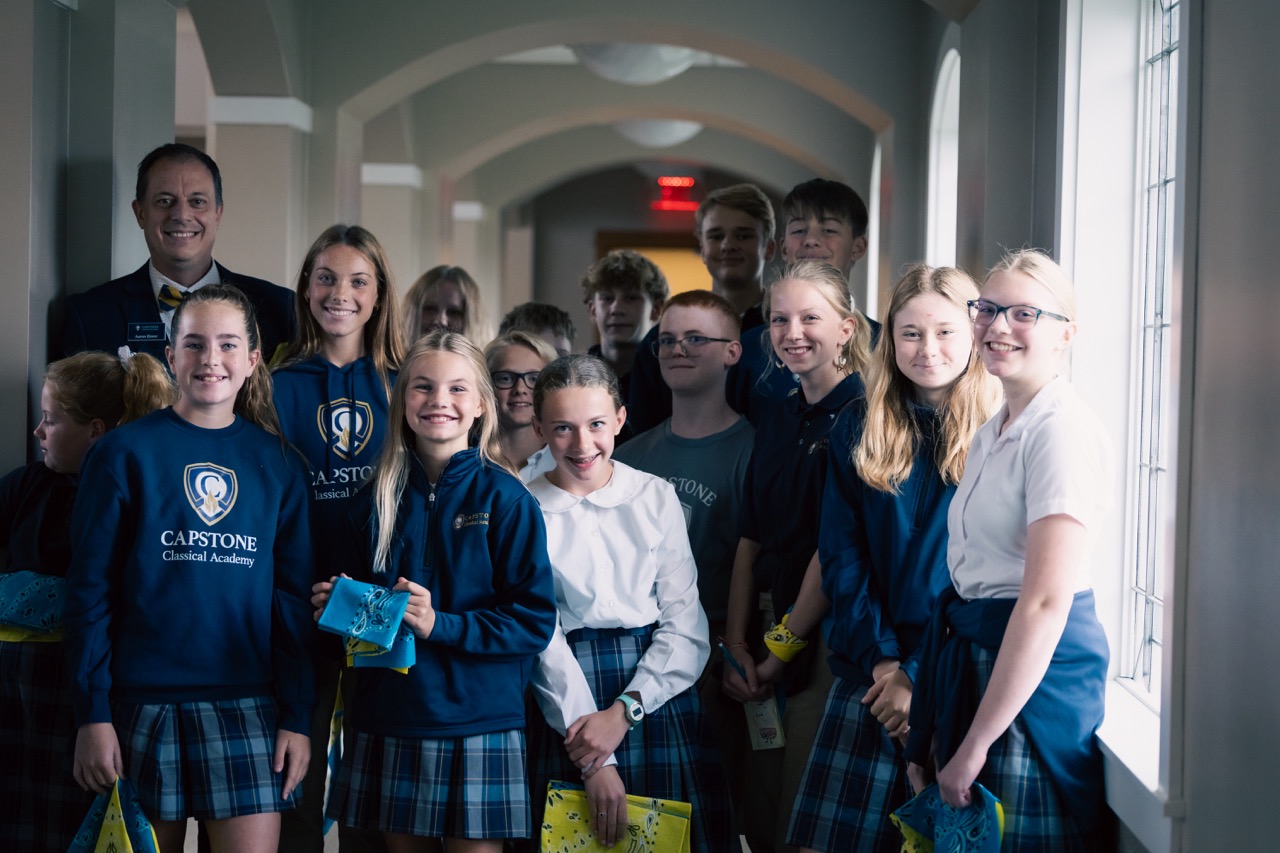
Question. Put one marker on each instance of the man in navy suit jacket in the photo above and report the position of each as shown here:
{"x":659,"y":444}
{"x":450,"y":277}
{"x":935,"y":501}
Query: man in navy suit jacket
{"x":178,"y":206}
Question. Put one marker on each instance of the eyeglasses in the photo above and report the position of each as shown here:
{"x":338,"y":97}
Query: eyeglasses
{"x":983,"y":313}
{"x":505,"y":379}
{"x":665,"y":345}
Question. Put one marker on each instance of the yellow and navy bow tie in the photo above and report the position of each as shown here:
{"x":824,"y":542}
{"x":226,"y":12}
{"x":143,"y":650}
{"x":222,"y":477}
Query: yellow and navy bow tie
{"x":170,"y":297}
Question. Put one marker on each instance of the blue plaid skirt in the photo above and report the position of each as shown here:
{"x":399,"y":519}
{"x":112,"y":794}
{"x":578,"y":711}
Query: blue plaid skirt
{"x":856,"y":777}
{"x":1034,"y":818}
{"x":41,"y":806}
{"x":463,"y":787}
{"x":671,"y":755}
{"x":207,"y":760}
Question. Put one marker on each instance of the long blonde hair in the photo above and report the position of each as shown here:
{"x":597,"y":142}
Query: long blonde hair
{"x":382,"y":334}
{"x":885,"y":453}
{"x":393,"y":464}
{"x":831,"y":283}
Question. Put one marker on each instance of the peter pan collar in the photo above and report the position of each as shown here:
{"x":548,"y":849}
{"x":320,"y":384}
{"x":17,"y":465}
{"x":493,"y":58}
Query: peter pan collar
{"x":622,"y":487}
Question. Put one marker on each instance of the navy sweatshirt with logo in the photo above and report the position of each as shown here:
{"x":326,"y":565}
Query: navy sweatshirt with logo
{"x":191,"y":571}
{"x":337,"y":418}
{"x":475,"y":539}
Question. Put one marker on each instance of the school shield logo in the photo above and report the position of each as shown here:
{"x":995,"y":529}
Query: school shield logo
{"x":211,"y":490}
{"x":346,"y":425}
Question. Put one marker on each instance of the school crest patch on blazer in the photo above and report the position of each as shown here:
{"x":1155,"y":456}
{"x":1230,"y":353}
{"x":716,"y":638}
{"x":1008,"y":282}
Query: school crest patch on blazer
{"x":211,"y":490}
{"x":346,"y":426}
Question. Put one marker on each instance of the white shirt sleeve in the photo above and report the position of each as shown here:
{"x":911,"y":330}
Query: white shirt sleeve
{"x":681,"y":644}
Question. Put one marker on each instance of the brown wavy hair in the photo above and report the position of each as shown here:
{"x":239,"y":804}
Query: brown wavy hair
{"x":383,"y":337}
{"x":254,"y":401}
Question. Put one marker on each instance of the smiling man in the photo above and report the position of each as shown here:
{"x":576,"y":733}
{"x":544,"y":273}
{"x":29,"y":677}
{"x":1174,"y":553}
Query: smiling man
{"x":178,"y":206}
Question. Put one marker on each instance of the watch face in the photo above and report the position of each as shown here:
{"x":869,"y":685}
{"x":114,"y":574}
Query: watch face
{"x":635,"y":712}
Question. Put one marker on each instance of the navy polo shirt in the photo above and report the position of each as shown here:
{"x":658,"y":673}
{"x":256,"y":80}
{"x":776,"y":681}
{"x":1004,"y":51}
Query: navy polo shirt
{"x":785,"y":479}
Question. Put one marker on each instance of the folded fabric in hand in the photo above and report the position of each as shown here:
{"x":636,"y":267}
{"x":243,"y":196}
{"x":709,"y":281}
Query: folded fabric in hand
{"x":365,"y":612}
{"x":653,"y":825}
{"x":402,"y":655}
{"x":31,"y":600}
{"x":116,"y":823}
{"x":926,"y":823}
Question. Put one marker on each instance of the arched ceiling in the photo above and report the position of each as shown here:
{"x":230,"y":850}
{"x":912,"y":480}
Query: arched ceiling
{"x":523,"y":103}
{"x":816,"y":88}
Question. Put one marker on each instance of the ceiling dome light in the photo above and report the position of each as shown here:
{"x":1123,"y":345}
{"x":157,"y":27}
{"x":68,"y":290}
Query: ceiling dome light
{"x":658,"y":133}
{"x":635,"y":64}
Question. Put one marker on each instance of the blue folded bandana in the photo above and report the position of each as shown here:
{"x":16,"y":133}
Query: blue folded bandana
{"x":31,"y":600}
{"x":364,"y":611}
{"x":927,"y":823}
{"x":399,"y":657}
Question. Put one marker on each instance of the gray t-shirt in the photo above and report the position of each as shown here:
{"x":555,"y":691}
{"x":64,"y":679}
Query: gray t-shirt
{"x":708,"y":474}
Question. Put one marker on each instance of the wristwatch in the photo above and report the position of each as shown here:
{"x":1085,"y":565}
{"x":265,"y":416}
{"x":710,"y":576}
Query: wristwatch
{"x":633,"y":709}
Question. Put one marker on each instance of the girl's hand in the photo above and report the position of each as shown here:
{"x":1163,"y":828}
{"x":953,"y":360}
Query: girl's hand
{"x":594,"y":737}
{"x":97,"y":762}
{"x":293,"y":754}
{"x":320,"y":595}
{"x":418,"y":615}
{"x":890,"y":701}
{"x":955,"y":780}
{"x":607,"y":797}
{"x":734,"y":685}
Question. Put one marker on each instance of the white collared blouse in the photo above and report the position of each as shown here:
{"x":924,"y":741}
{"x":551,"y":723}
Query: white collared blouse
{"x":621,"y":559}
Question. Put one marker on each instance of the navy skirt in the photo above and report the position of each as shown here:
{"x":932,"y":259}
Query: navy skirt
{"x":671,"y":755}
{"x":455,"y":787}
{"x":41,"y":806}
{"x":207,"y":760}
{"x":855,"y":778}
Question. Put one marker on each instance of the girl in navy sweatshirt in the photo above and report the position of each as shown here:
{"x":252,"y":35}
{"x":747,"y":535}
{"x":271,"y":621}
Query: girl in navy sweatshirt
{"x":439,"y":752}
{"x":188,"y":629}
{"x":331,"y":393}
{"x":895,"y":459}
{"x":83,"y":397}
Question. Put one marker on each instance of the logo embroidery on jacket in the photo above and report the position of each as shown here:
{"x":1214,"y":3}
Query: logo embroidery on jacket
{"x":346,"y":425}
{"x":461,"y":520}
{"x":211,"y":490}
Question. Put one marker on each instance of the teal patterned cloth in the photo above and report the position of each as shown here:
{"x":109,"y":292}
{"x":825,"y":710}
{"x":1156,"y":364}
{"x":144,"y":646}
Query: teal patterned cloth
{"x":364,"y":611}
{"x":116,"y":824}
{"x":31,"y":600}
{"x":931,"y":826}
{"x":402,"y":655}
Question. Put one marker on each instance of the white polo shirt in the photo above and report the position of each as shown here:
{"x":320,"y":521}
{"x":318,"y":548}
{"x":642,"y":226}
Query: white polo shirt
{"x":1054,"y":459}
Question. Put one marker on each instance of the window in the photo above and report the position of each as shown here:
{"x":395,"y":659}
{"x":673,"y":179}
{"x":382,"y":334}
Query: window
{"x":1154,"y":420}
{"x":944,"y":162}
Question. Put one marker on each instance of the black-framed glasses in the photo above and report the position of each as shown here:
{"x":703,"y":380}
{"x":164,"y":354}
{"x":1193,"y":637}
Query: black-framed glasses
{"x":983,"y":312}
{"x":505,"y":379}
{"x":665,"y":345}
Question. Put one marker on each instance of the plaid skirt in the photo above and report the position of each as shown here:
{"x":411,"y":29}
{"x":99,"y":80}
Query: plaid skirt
{"x":671,"y":755}
{"x":462,"y":787}
{"x":207,"y":760}
{"x":41,"y":806}
{"x":856,"y":777}
{"x":1034,"y":818}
